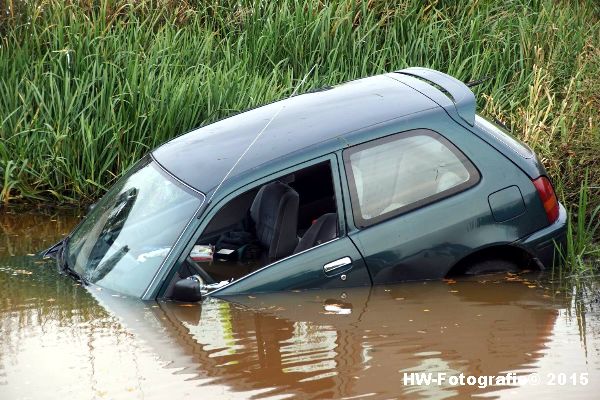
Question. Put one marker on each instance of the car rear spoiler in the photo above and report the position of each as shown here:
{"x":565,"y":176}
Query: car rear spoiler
{"x":459,"y":94}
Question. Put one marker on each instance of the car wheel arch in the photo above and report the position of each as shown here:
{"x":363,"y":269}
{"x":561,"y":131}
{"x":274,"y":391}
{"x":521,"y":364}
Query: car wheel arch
{"x":505,"y":252}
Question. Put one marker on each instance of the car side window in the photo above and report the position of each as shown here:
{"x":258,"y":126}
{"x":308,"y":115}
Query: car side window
{"x":399,"y":173}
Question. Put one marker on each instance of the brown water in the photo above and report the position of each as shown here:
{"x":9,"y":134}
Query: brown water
{"x":60,"y":341}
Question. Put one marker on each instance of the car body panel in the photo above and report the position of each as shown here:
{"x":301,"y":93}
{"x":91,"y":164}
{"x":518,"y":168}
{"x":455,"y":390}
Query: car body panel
{"x":547,"y":244}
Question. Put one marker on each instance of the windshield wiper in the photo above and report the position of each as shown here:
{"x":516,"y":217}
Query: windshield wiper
{"x":63,"y":263}
{"x":53,"y":250}
{"x":75,"y":275}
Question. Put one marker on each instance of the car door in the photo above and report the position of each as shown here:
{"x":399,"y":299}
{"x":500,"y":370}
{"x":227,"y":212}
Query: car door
{"x":408,"y":194}
{"x":335,"y":263}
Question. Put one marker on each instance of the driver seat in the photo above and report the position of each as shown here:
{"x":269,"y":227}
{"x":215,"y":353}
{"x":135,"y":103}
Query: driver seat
{"x":274,"y":212}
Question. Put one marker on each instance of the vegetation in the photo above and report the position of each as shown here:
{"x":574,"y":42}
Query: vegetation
{"x":583,"y":227}
{"x":88,"y":86}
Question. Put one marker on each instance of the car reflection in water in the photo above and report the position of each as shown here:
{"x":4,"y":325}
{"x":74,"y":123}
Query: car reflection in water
{"x":356,"y":342}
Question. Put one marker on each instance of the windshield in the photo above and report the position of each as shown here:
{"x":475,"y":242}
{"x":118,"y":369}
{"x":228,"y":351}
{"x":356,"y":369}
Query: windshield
{"x":123,"y":241}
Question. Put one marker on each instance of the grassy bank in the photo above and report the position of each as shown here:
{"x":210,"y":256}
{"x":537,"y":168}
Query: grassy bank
{"x":87,"y":87}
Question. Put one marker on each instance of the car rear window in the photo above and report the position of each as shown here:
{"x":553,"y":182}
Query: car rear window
{"x":399,"y":173}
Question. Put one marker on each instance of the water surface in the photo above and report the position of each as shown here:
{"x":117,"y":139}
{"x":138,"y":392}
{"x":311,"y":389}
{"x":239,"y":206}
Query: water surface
{"x":61,"y":340}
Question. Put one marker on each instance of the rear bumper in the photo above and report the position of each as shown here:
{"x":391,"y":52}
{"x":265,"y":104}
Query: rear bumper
{"x":544,"y":244}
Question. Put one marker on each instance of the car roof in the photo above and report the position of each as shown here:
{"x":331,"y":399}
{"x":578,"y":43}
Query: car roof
{"x":301,"y":124}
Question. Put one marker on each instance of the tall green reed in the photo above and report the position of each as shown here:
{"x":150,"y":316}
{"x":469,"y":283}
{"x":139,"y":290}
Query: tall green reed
{"x":583,"y":225}
{"x":87,"y":87}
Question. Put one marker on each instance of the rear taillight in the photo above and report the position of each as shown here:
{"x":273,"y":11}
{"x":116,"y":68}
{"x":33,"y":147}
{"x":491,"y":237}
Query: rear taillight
{"x":547,"y":196}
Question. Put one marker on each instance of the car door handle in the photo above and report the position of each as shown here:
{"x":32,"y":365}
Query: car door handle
{"x":336,"y":265}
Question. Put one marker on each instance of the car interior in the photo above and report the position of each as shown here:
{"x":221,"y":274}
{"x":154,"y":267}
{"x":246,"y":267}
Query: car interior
{"x":268,"y":223}
{"x":392,"y":175}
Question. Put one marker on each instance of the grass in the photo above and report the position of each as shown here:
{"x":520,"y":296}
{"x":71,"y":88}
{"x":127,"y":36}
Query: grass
{"x":89,"y":86}
{"x":583,"y":226}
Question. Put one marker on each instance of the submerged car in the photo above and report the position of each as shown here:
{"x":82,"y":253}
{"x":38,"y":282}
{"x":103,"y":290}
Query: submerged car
{"x":384,"y":179}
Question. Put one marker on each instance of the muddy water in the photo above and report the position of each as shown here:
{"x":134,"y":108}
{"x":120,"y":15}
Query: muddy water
{"x":59,"y":340}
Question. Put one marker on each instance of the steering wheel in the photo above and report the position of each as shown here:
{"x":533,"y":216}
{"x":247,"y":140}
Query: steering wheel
{"x":201,"y":272}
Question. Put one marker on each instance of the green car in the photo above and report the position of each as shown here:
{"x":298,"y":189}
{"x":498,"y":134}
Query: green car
{"x":384,"y":179}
